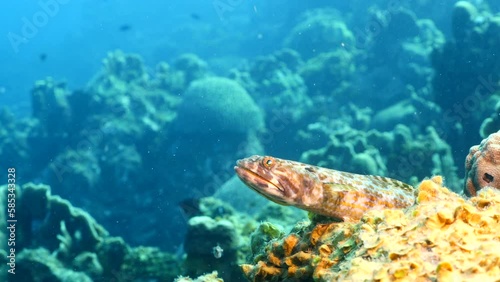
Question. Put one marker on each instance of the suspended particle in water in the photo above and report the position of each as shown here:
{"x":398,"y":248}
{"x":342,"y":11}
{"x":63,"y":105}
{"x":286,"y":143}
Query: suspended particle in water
{"x":217,"y":251}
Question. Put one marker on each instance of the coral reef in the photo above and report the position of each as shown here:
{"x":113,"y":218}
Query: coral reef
{"x":53,"y":119}
{"x":330,"y":74}
{"x":124,"y":90}
{"x":319,"y":31}
{"x":210,"y":277}
{"x":147,"y":263}
{"x":125,"y":125}
{"x":169,"y":79}
{"x":53,"y":223}
{"x":491,"y":124}
{"x":218,"y":233}
{"x":468,"y":72}
{"x":102,"y":136}
{"x":247,"y":202}
{"x":396,"y":58}
{"x":15,"y":148}
{"x":192,"y":67}
{"x":51,"y":107}
{"x":481,"y":165}
{"x":404,"y":112}
{"x":375,"y":90}
{"x":218,"y":237}
{"x":390,"y":153}
{"x":437,"y":239}
{"x":40,"y":265}
{"x":275,"y":83}
{"x":58,"y":242}
{"x":216,"y":105}
{"x":211,"y":244}
{"x":186,"y":68}
{"x":216,"y":120}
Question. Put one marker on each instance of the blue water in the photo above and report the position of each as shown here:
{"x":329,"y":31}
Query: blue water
{"x":381,"y":88}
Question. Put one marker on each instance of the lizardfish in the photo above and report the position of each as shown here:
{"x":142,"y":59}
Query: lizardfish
{"x":341,"y":195}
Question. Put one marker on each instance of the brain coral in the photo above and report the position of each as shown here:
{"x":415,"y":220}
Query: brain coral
{"x":217,"y":104}
{"x":442,"y":238}
{"x":481,"y":165}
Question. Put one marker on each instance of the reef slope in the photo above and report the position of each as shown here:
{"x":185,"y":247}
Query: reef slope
{"x":443,"y":237}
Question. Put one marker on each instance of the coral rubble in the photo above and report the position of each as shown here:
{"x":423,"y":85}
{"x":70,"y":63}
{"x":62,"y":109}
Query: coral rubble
{"x":444,"y":237}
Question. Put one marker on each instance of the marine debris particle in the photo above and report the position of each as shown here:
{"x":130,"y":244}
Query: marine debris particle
{"x":217,"y":251}
{"x":442,"y":238}
{"x":333,"y":193}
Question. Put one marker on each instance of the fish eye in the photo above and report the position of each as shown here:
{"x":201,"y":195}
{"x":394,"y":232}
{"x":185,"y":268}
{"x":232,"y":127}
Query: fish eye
{"x":268,"y":162}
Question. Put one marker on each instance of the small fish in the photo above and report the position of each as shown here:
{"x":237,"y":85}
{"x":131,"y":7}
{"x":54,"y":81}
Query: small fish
{"x":195,"y":16}
{"x":217,"y":251}
{"x":42,"y":57}
{"x":341,"y":195}
{"x":125,"y":27}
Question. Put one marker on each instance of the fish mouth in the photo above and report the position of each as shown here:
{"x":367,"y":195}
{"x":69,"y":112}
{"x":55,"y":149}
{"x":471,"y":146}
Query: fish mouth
{"x":255,"y":181}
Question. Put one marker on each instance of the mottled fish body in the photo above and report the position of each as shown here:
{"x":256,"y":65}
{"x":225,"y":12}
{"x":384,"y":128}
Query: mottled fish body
{"x":333,"y":193}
